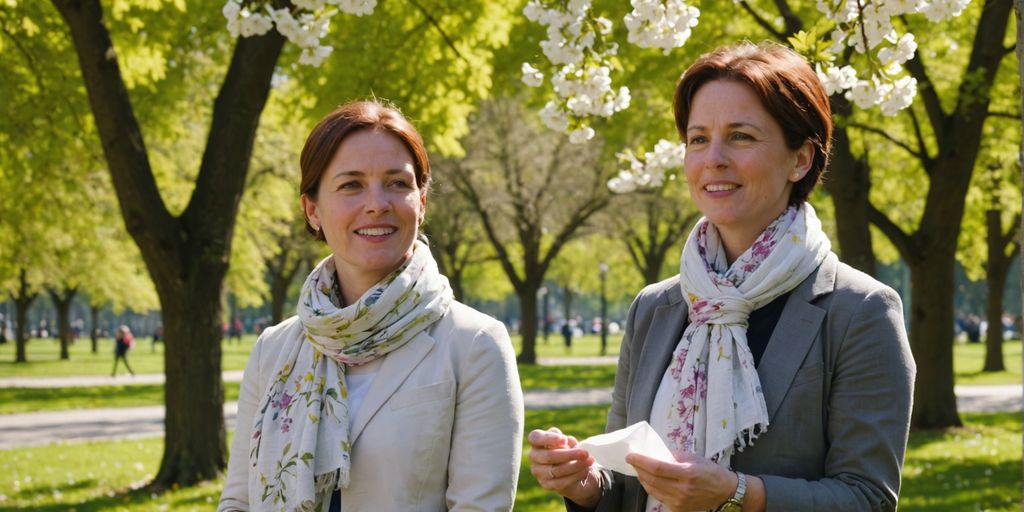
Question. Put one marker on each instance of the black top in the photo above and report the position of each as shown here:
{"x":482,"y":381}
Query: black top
{"x":762,"y":324}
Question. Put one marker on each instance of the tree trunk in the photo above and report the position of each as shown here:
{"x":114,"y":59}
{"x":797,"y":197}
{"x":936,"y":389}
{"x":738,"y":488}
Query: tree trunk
{"x":195,"y":444}
{"x":997,"y":266}
{"x":567,"y":302}
{"x":187,"y":256}
{"x":62,"y":301}
{"x":931,"y":340}
{"x":528,"y":329}
{"x":94,"y":313}
{"x":848,"y":183}
{"x":22,"y":302}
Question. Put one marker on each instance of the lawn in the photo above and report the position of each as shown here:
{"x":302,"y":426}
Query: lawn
{"x":19,"y":400}
{"x":44,"y":357}
{"x":972,"y":468}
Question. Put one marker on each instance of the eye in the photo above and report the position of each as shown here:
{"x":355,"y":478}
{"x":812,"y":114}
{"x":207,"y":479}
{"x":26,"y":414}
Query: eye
{"x":350,"y":185}
{"x":401,"y":183}
{"x":697,"y":139}
{"x":741,"y":136}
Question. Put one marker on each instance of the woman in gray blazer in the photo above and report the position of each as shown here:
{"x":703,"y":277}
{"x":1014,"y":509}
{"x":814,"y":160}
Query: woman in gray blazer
{"x":780,"y":378}
{"x":383,"y":393}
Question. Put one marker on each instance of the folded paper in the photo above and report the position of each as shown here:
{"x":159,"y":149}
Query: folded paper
{"x":609,"y":450}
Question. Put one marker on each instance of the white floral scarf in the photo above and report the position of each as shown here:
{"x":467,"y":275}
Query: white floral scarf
{"x":301,"y":450}
{"x":717,"y":406}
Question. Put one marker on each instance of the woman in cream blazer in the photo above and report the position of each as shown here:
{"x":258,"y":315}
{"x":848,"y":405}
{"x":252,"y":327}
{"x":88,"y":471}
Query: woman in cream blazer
{"x":408,"y":425}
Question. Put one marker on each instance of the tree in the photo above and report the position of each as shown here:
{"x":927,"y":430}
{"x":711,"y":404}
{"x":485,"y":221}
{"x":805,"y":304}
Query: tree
{"x":532,"y":194}
{"x":654,"y":226}
{"x":928,"y":249}
{"x":187,"y":252}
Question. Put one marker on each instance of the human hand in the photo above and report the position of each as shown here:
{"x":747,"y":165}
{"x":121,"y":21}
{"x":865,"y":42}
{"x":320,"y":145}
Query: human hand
{"x":560,"y":467}
{"x":693,"y":483}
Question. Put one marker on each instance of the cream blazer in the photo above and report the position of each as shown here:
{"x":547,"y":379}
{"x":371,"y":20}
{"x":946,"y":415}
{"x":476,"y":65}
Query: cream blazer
{"x":440,"y":428}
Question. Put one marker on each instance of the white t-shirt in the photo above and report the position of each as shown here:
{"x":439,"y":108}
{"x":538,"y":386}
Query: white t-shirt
{"x":358,"y":379}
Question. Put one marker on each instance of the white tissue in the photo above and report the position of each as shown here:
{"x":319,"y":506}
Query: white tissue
{"x":609,"y":450}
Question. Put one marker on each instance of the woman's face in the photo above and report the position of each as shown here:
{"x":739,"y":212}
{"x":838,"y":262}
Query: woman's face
{"x":369,"y":207}
{"x":738,"y":167}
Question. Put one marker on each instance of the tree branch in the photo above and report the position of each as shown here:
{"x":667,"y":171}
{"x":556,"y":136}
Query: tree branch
{"x":437,"y":26}
{"x":926,"y":90}
{"x":899,"y":238}
{"x":885,"y":135}
{"x":762,"y":22}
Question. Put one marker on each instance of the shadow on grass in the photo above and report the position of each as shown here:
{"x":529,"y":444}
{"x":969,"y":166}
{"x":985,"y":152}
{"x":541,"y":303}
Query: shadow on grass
{"x":974,"y":423}
{"x":48,"y":490}
{"x":106,"y":502}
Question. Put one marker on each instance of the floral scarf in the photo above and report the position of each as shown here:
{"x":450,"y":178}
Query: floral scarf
{"x":300,"y":436}
{"x":717,"y":406}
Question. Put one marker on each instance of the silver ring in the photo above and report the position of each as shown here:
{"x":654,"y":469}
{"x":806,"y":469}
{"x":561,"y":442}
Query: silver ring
{"x":551,"y":472}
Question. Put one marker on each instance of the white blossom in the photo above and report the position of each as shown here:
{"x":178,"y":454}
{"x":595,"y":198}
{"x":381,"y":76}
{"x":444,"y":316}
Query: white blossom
{"x":581,"y":135}
{"x":650,"y":170}
{"x":661,"y":24}
{"x":532,"y":77}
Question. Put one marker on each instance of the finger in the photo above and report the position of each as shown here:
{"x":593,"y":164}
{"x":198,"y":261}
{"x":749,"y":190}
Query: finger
{"x":558,"y":456}
{"x":550,"y":438}
{"x":572,"y":442}
{"x":654,"y":467}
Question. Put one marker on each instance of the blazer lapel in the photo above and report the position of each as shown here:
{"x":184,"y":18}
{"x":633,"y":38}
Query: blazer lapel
{"x":660,"y":341}
{"x":794,"y":334}
{"x":393,"y":371}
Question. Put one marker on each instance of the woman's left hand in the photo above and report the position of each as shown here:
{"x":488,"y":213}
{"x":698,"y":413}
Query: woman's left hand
{"x":693,"y":483}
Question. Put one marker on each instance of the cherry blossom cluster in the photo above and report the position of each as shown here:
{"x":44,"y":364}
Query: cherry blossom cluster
{"x":866,"y":26}
{"x":305,"y":24}
{"x":661,"y":24}
{"x":649,"y":170}
{"x":581,"y":65}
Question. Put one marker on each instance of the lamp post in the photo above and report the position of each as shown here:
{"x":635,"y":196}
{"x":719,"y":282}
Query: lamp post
{"x":543,"y":292}
{"x":604,"y":310}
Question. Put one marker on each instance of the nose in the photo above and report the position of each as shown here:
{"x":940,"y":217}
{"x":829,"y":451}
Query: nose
{"x":377,"y":199}
{"x":716,"y":157}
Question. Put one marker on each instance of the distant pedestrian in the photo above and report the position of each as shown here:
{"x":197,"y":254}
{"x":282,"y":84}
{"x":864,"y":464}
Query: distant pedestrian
{"x":123,"y":342}
{"x":567,"y":332}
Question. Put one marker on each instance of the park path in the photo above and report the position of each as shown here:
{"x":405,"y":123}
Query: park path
{"x":40,"y":428}
{"x":229,"y":376}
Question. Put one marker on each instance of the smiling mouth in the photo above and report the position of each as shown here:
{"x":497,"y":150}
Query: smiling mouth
{"x":721,"y":187}
{"x":375,"y":231}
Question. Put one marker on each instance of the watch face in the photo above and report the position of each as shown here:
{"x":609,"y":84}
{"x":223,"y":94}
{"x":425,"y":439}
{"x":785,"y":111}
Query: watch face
{"x":731,"y":506}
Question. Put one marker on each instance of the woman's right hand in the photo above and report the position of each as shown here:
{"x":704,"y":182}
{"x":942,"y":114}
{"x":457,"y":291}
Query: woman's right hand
{"x":560,"y":467}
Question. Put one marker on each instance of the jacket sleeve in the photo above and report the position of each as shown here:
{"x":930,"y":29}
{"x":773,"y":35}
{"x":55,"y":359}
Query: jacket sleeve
{"x":611,"y":482}
{"x":868,"y":414}
{"x":487,"y":434}
{"x":235,"y":496}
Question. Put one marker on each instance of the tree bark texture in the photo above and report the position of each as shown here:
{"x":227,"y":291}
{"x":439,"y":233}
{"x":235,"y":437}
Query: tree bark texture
{"x":848,"y":182}
{"x":930,"y":251}
{"x":22,"y":302}
{"x":62,"y":303}
{"x":528,"y":326}
{"x":187,"y":256}
{"x":94,"y":334}
{"x":996,"y":267}
{"x":1019,"y":9}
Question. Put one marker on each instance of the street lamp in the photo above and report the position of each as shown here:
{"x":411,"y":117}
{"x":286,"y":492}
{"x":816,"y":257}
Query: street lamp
{"x":604,"y":309}
{"x":543,"y":292}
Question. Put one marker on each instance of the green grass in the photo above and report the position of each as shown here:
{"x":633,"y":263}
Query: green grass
{"x":582,"y":346}
{"x":972,"y":468}
{"x":970,"y":357}
{"x":44,"y":358}
{"x":19,"y":400}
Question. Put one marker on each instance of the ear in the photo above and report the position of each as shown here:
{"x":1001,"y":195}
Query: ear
{"x":309,"y":207}
{"x":804,"y":160}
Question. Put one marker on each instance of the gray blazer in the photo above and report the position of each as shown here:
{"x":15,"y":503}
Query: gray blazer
{"x":837,"y":377}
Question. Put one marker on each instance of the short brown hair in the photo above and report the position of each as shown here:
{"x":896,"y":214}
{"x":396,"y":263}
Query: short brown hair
{"x":328,"y":134}
{"x":788,"y":88}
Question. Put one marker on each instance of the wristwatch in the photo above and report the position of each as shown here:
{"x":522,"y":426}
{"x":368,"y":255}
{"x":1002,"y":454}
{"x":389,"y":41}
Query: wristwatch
{"x":735,"y":504}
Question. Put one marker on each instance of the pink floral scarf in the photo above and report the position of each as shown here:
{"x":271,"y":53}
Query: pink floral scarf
{"x":300,"y":437}
{"x":717,"y":406}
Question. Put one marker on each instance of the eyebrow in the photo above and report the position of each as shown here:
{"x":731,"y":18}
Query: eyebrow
{"x":358,"y":174}
{"x":730,"y":125}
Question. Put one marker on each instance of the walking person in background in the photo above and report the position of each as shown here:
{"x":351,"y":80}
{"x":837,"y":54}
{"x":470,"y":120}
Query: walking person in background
{"x":384,"y":394}
{"x":780,"y":378}
{"x":123,"y":342}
